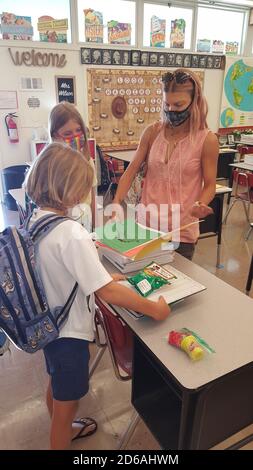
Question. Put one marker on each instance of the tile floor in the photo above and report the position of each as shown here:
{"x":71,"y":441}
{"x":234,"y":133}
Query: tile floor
{"x":24,"y":422}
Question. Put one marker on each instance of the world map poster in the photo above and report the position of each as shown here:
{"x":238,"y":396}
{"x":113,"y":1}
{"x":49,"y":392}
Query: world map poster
{"x":237,"y":97}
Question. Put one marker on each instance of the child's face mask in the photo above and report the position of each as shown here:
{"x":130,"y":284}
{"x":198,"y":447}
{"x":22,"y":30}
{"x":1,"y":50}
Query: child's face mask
{"x":76,"y":142}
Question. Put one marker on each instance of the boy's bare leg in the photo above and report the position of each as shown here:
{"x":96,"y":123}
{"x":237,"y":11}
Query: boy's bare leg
{"x":61,"y":427}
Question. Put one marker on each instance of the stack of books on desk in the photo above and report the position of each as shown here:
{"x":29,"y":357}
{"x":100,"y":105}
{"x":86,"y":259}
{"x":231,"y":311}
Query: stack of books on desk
{"x":130,"y":246}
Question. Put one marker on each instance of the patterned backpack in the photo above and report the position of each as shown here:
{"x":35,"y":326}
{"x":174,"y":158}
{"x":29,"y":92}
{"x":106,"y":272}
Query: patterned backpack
{"x":25,"y":316}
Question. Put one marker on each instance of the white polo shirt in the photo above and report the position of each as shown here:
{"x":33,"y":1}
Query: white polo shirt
{"x":65,"y":256}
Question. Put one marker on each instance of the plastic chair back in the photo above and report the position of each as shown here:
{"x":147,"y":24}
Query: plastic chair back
{"x":119,"y":339}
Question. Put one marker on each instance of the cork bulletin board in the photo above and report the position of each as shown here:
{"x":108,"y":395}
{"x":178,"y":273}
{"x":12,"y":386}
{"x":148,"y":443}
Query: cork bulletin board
{"x":121,"y":103}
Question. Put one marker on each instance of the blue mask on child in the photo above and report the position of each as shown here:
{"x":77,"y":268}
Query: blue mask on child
{"x":176,"y":118}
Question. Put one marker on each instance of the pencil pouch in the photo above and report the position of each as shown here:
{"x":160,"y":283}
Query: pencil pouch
{"x":151,"y":278}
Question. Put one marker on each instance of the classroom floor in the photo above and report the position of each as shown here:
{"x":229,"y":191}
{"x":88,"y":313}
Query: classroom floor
{"x":24,"y":423}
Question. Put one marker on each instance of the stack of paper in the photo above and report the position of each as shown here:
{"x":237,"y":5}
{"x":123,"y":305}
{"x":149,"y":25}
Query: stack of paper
{"x":126,"y":245}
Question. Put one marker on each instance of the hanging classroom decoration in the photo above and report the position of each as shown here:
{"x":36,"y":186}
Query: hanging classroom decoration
{"x":93,"y":25}
{"x":157,"y":32}
{"x":177,"y":35}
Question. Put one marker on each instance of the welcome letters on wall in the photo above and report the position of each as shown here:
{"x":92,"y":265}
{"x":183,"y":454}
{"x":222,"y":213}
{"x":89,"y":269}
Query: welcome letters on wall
{"x":38,"y":59}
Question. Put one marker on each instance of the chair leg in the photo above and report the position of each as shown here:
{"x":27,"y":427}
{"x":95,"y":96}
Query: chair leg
{"x":129,"y":431}
{"x":246,"y":210}
{"x":96,"y":360}
{"x":228,"y":211}
{"x":249,"y":231}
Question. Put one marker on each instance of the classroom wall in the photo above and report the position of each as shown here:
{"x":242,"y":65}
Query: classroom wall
{"x":28,"y":119}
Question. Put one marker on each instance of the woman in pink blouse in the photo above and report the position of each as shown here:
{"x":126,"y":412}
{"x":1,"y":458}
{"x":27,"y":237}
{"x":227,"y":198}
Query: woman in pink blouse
{"x":180,"y":154}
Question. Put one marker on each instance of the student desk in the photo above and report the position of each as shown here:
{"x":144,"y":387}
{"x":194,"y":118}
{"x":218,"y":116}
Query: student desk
{"x":189,"y":405}
{"x":226,"y":156}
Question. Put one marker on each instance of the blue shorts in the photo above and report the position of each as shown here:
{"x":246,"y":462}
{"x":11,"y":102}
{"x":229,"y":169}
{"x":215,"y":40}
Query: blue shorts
{"x":67,"y":361}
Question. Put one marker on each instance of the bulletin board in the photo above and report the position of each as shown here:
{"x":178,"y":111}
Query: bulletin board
{"x":121,"y":103}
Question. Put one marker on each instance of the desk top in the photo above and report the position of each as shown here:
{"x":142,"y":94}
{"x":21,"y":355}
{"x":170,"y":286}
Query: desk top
{"x":227,"y":150}
{"x":221,"y":315}
{"x":242,"y":166}
{"x":19,"y":195}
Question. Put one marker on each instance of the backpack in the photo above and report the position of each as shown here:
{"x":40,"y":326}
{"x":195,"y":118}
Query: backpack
{"x":4,"y":343}
{"x":25,"y":316}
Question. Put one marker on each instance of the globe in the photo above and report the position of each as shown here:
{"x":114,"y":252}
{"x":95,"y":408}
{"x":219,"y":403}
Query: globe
{"x":238,"y":86}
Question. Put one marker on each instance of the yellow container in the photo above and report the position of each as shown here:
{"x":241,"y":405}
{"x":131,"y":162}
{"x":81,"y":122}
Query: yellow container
{"x":190,"y":345}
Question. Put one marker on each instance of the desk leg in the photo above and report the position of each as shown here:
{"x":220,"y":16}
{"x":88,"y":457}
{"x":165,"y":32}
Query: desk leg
{"x":219,"y":219}
{"x":250,"y":276}
{"x":230,"y":184}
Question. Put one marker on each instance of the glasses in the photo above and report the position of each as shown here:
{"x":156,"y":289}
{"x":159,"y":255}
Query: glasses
{"x":178,"y":77}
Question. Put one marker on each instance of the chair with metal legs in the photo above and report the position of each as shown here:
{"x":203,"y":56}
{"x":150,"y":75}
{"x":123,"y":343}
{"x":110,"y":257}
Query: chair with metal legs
{"x":119,"y":339}
{"x":242,"y":181}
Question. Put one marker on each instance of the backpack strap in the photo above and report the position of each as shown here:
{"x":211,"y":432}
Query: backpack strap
{"x":38,"y":231}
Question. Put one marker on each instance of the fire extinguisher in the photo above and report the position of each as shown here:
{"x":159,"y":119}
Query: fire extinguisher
{"x":12,"y":127}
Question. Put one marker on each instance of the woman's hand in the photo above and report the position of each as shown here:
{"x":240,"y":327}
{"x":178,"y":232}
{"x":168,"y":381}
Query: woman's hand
{"x":118,"y":277}
{"x":200,"y":210}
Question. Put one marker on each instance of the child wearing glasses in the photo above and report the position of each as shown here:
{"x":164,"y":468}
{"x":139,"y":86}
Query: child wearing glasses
{"x":66,"y":125}
{"x":180,"y":154}
{"x":58,"y":180}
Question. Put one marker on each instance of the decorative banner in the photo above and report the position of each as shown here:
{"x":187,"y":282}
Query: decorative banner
{"x":177,"y":34}
{"x":231,"y":48}
{"x":237,"y":98}
{"x":119,"y":33}
{"x":203,"y":45}
{"x":157,"y":32}
{"x":218,"y":47}
{"x":65,"y":89}
{"x":52,"y":30}
{"x":94,"y":29}
{"x":137,"y":58}
{"x":16,"y":27}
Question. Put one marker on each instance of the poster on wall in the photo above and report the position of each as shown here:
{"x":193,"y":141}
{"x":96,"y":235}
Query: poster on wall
{"x":237,"y":96}
{"x":16,"y":27}
{"x":177,"y":35}
{"x":157,"y":32}
{"x":93,"y":25}
{"x":52,"y":30}
{"x":119,"y":33}
{"x":203,"y":45}
{"x":217,"y":46}
{"x":65,"y":89}
{"x":231,"y":48}
{"x":8,"y":99}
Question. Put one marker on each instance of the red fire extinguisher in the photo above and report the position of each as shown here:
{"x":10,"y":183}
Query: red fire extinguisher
{"x":12,"y":127}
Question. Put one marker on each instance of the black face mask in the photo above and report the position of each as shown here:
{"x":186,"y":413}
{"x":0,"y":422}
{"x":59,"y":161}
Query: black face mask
{"x":176,"y":118}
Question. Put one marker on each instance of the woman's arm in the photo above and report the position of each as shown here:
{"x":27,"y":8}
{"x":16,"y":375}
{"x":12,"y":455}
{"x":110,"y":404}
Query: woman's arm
{"x":209,"y":158}
{"x":132,"y":169}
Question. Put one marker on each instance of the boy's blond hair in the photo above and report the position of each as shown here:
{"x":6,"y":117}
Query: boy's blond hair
{"x":59,"y":178}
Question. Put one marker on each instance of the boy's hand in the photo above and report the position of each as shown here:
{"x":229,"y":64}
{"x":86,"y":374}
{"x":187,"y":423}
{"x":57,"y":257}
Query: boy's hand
{"x":162,"y":309}
{"x":118,"y":277}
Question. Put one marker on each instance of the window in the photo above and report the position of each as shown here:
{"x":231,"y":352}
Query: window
{"x":57,"y":9}
{"x":177,"y":34}
{"x":223,"y":26}
{"x":120,"y":14}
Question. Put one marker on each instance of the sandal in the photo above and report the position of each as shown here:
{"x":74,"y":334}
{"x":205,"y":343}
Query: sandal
{"x":85,"y":423}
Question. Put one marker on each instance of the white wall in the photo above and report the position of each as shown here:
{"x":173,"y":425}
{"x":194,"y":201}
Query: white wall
{"x":10,"y":79}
